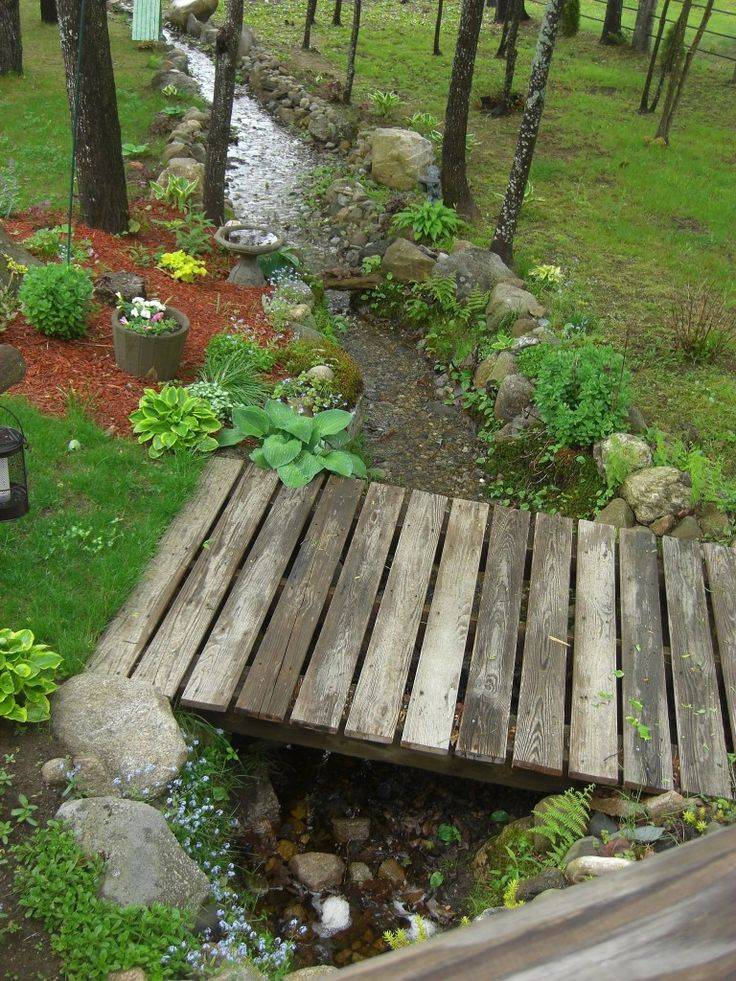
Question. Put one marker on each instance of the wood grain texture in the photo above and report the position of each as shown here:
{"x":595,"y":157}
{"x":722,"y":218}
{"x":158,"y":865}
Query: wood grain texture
{"x":431,"y":711}
{"x":216,"y":674}
{"x":647,"y":762}
{"x":269,"y":685}
{"x":668,"y":917}
{"x":593,"y":751}
{"x":376,"y":704}
{"x":484,"y":726}
{"x":540,"y":721}
{"x":721,"y":563}
{"x":126,"y":636}
{"x":177,"y":640}
{"x":700,"y":737}
{"x":325,"y":686}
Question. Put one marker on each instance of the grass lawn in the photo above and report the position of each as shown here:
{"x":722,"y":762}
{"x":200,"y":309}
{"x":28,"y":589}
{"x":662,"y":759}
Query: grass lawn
{"x":34,"y":112}
{"x":96,"y":516}
{"x":630,"y":223}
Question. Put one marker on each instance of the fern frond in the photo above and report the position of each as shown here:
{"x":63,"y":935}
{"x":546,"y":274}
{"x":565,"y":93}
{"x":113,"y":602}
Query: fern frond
{"x":564,"y":820}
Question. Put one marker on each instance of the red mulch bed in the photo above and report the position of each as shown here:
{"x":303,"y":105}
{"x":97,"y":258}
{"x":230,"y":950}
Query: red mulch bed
{"x":87,"y":367}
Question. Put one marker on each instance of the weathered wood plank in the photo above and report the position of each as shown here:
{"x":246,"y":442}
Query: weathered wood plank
{"x":700,"y":738}
{"x":431,"y":711}
{"x":647,"y":762}
{"x":176,"y":642}
{"x":269,"y":686}
{"x":325,"y":686}
{"x":721,"y":563}
{"x":668,"y":917}
{"x":126,"y":636}
{"x":593,"y":722}
{"x":378,"y":694}
{"x":484,"y":728}
{"x":215,"y":676}
{"x":540,"y":721}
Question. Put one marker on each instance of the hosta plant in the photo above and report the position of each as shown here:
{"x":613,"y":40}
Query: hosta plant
{"x":26,"y":676}
{"x":175,"y":419}
{"x":298,"y":447}
{"x":431,"y":220}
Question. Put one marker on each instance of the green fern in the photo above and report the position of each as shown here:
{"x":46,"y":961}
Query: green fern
{"x":563,"y":821}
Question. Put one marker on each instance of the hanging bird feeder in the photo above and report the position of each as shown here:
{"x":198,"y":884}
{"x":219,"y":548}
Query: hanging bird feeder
{"x":13,"y":479}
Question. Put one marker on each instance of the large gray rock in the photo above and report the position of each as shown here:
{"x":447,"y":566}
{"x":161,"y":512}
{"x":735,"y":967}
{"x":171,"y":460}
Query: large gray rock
{"x":407,"y":262}
{"x":623,"y":447}
{"x":318,"y":870}
{"x":259,"y":801}
{"x":399,"y":157}
{"x":493,"y":369}
{"x":514,"y":395}
{"x":144,"y":863}
{"x":184,"y":84}
{"x":507,"y":299}
{"x":128,"y":284}
{"x":126,"y":724}
{"x":247,"y":40}
{"x":331,"y":126}
{"x":179,"y":11}
{"x":617,"y":513}
{"x":475,"y":269}
{"x":657,"y":491}
{"x":186,"y":167}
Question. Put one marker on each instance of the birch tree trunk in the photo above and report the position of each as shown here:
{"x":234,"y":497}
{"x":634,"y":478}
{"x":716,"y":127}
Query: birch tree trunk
{"x":353,"y":47}
{"x":503,"y":237}
{"x":226,"y":52}
{"x":101,"y":184}
{"x":641,"y":37}
{"x":11,"y":44}
{"x":455,"y":187}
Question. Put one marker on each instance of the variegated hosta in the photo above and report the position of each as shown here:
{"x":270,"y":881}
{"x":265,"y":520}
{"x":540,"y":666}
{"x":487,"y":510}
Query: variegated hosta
{"x":26,"y":676}
{"x":174,"y":419}
{"x":298,"y":447}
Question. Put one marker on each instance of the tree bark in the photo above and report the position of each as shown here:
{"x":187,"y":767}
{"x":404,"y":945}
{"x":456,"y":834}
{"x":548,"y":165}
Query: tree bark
{"x":101,"y":185}
{"x":612,"y":22}
{"x":226,"y":52}
{"x":438,"y":29}
{"x":503,"y":237}
{"x":308,"y":21}
{"x":455,"y":187}
{"x":681,"y":70}
{"x":644,"y":106}
{"x":353,"y":47}
{"x":502,"y":12}
{"x":337,"y":14}
{"x":11,"y":44}
{"x":512,"y":34}
{"x":49,"y":14}
{"x":641,"y":38}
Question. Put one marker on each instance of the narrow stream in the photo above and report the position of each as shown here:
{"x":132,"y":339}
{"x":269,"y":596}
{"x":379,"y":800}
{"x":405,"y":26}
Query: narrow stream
{"x":410,"y":434}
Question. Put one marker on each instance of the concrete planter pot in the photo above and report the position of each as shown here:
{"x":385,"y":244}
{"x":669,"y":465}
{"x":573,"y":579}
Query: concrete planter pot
{"x":154,"y":356}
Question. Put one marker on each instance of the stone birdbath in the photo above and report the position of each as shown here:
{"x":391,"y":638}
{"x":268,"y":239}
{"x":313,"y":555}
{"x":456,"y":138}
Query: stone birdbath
{"x":247,"y":242}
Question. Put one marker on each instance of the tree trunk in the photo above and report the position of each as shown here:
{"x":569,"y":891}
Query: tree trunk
{"x":501,"y":53}
{"x":641,"y":37}
{"x":502,"y":12}
{"x":455,"y":188}
{"x":508,"y":81}
{"x":350,"y":74}
{"x":503,"y":237}
{"x":11,"y":45}
{"x":681,"y":70}
{"x":612,"y":22}
{"x":309,"y":20}
{"x":337,"y":14}
{"x":49,"y":13}
{"x":438,"y":29}
{"x":226,"y":52}
{"x":644,"y":106}
{"x":100,"y":172}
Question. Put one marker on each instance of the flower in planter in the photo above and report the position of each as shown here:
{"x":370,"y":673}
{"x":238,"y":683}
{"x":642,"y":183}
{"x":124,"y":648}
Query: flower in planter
{"x":145,"y":316}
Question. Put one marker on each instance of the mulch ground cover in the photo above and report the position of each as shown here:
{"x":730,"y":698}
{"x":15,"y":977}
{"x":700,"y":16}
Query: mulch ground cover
{"x":85,"y":370}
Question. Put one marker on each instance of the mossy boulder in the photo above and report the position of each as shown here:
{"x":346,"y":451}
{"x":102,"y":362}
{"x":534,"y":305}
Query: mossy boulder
{"x":305,"y":354}
{"x":493,"y":856}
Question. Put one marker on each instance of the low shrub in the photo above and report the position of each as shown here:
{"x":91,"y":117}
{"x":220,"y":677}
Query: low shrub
{"x":702,"y":327}
{"x":26,"y":676}
{"x":299,"y":356}
{"x":174,"y":419}
{"x":51,"y":244}
{"x":182,"y":266}
{"x":56,"y":300}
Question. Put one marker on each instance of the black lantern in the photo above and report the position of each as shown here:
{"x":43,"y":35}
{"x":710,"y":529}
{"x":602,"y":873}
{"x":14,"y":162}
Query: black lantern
{"x":13,"y":482}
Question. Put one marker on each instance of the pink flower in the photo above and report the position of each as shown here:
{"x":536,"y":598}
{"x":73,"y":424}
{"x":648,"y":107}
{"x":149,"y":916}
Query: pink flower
{"x":156,"y":317}
{"x":123,"y":320}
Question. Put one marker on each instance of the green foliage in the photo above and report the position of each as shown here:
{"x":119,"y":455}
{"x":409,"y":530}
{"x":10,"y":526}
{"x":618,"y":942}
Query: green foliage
{"x":218,"y":355}
{"x":218,"y":398}
{"x":134,"y":149}
{"x":57,"y":885}
{"x":55,"y":299}
{"x":431,"y":220}
{"x":281,"y":262}
{"x":384,"y":103}
{"x":621,"y":460}
{"x":562,"y":821}
{"x":426,"y":124}
{"x":174,"y":419}
{"x":297,"y":447}
{"x":452,"y":329}
{"x":179,"y":265}
{"x":570,"y":20}
{"x":398,"y":939}
{"x":9,"y":189}
{"x":302,"y":355}
{"x":449,"y":834}
{"x":436,"y":879}
{"x":710,"y":484}
{"x":509,"y":895}
{"x":232,"y":368}
{"x":312,"y":394}
{"x":177,"y":191}
{"x":670,"y":49}
{"x":702,"y":326}
{"x":193,"y":233}
{"x":26,"y":676}
{"x":582,"y":394}
{"x":52,"y":243}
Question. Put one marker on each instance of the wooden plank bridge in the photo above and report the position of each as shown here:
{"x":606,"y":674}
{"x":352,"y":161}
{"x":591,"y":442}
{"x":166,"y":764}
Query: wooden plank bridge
{"x":441,"y":633}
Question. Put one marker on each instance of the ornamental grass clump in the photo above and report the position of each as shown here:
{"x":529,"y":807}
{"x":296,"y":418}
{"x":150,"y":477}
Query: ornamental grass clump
{"x":26,"y":676}
{"x":56,"y":300}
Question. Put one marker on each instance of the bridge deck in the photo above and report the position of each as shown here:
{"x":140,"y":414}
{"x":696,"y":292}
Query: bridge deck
{"x":440,"y":633}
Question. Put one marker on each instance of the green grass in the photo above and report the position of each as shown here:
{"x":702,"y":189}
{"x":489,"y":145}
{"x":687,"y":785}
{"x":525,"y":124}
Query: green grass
{"x":61,"y":583}
{"x":34,"y":112}
{"x":630,"y":223}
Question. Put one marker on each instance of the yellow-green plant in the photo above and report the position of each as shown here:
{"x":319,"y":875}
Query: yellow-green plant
{"x":26,"y":676}
{"x":174,"y":419}
{"x":182,"y":266}
{"x":509,"y":895}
